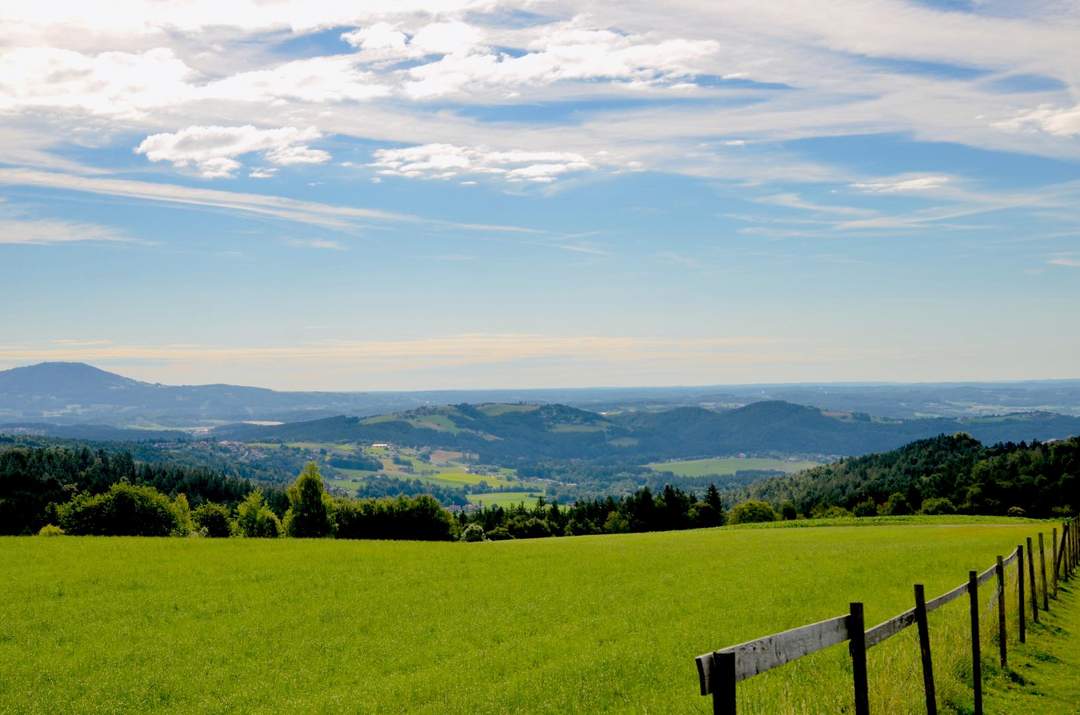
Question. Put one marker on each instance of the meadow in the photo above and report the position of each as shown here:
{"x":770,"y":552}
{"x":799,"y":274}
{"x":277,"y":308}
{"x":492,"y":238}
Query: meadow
{"x":721,"y":466}
{"x":578,"y":624}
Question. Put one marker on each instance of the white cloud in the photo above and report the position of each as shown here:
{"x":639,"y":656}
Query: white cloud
{"x":448,"y":161}
{"x":1065,"y":262}
{"x":902,"y":184}
{"x":280,"y":207}
{"x":446,"y":38}
{"x":211,"y":150}
{"x":110,"y":83}
{"x":33,"y":18}
{"x":43,"y":232}
{"x":563,"y":52}
{"x":1045,"y":118}
{"x":318,"y":79}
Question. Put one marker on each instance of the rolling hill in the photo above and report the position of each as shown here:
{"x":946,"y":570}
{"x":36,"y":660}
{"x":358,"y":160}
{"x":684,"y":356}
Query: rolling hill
{"x":500,"y":432}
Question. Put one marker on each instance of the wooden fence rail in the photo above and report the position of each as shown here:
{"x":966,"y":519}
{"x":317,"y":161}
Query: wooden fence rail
{"x":720,"y":671}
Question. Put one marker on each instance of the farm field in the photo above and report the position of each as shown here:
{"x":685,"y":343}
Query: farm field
{"x":719,"y":466}
{"x":577,"y":624}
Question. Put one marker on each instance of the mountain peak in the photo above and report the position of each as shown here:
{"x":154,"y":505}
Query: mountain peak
{"x":60,"y":376}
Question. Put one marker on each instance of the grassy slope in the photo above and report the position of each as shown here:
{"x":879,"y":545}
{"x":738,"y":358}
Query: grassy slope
{"x":1043,"y":672}
{"x":555,"y":625}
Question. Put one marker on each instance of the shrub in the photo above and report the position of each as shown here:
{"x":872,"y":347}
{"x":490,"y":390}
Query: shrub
{"x":419,"y":518}
{"x":309,"y":506}
{"x":499,"y":533}
{"x":788,"y":511}
{"x":616,"y":523}
{"x":866,"y":508}
{"x":473,"y":533}
{"x":184,"y":523}
{"x":1016,"y":511}
{"x":255,"y":520}
{"x":50,"y":530}
{"x":752,"y":511}
{"x":897,"y":505}
{"x":936,"y":506}
{"x":531,"y":528}
{"x":582,"y":527}
{"x":213,"y":520}
{"x":124,"y":510}
{"x":834,"y":512}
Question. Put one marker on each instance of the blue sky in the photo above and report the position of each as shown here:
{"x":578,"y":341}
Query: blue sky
{"x":477,"y":193}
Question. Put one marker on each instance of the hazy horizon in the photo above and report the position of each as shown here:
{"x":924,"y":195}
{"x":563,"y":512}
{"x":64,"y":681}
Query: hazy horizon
{"x":555,"y":388}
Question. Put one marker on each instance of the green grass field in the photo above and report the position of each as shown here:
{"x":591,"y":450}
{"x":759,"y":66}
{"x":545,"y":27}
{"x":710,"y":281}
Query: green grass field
{"x":720,"y":466}
{"x":587,"y":624}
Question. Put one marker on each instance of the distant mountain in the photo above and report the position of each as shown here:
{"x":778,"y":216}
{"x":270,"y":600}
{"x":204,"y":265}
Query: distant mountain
{"x":67,"y":393}
{"x":76,"y":393}
{"x":501,"y":432}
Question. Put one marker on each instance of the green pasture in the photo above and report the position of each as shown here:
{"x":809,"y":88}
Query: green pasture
{"x":504,"y":499}
{"x":720,"y":466}
{"x":585,"y":624}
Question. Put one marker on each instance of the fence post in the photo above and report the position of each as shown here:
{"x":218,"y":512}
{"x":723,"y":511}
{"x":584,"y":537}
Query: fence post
{"x":924,"y":649}
{"x":1031,"y":582}
{"x":1065,"y":536}
{"x":1053,"y":559}
{"x":1042,"y":574}
{"x":976,"y":654}
{"x":1002,"y":634}
{"x":857,"y":647}
{"x":1020,"y":592}
{"x":723,"y":685}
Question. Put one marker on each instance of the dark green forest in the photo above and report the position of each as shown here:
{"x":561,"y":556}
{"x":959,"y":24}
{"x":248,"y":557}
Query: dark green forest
{"x":942,"y":474}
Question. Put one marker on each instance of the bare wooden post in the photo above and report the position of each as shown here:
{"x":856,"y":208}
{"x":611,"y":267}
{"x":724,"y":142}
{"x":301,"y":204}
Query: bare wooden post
{"x":857,"y":646}
{"x":1053,"y":559}
{"x":1020,"y":592}
{"x":1002,"y":635}
{"x":1042,"y":574}
{"x":924,"y":649}
{"x":976,"y":653}
{"x":723,"y":689}
{"x":1031,"y":582}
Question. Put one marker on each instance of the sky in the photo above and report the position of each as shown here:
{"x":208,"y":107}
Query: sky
{"x":478,"y":194}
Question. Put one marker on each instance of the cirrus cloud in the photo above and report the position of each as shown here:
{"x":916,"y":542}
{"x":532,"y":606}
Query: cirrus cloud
{"x":448,"y":161}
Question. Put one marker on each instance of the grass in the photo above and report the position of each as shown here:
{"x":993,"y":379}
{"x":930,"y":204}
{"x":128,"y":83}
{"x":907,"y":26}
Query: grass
{"x":505,"y":499}
{"x":720,"y":466}
{"x":1042,"y":673}
{"x":587,"y":624}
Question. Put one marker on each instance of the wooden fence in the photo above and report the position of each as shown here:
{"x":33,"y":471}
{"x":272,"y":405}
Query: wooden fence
{"x":721,"y":670}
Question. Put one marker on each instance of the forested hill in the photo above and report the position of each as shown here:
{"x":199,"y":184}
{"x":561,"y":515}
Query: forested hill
{"x":502,"y":432}
{"x":940,"y":475}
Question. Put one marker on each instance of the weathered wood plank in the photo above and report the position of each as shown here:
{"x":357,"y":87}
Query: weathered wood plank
{"x":944,"y":598}
{"x":887,"y":629}
{"x":762,"y":654}
{"x":987,"y":574}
